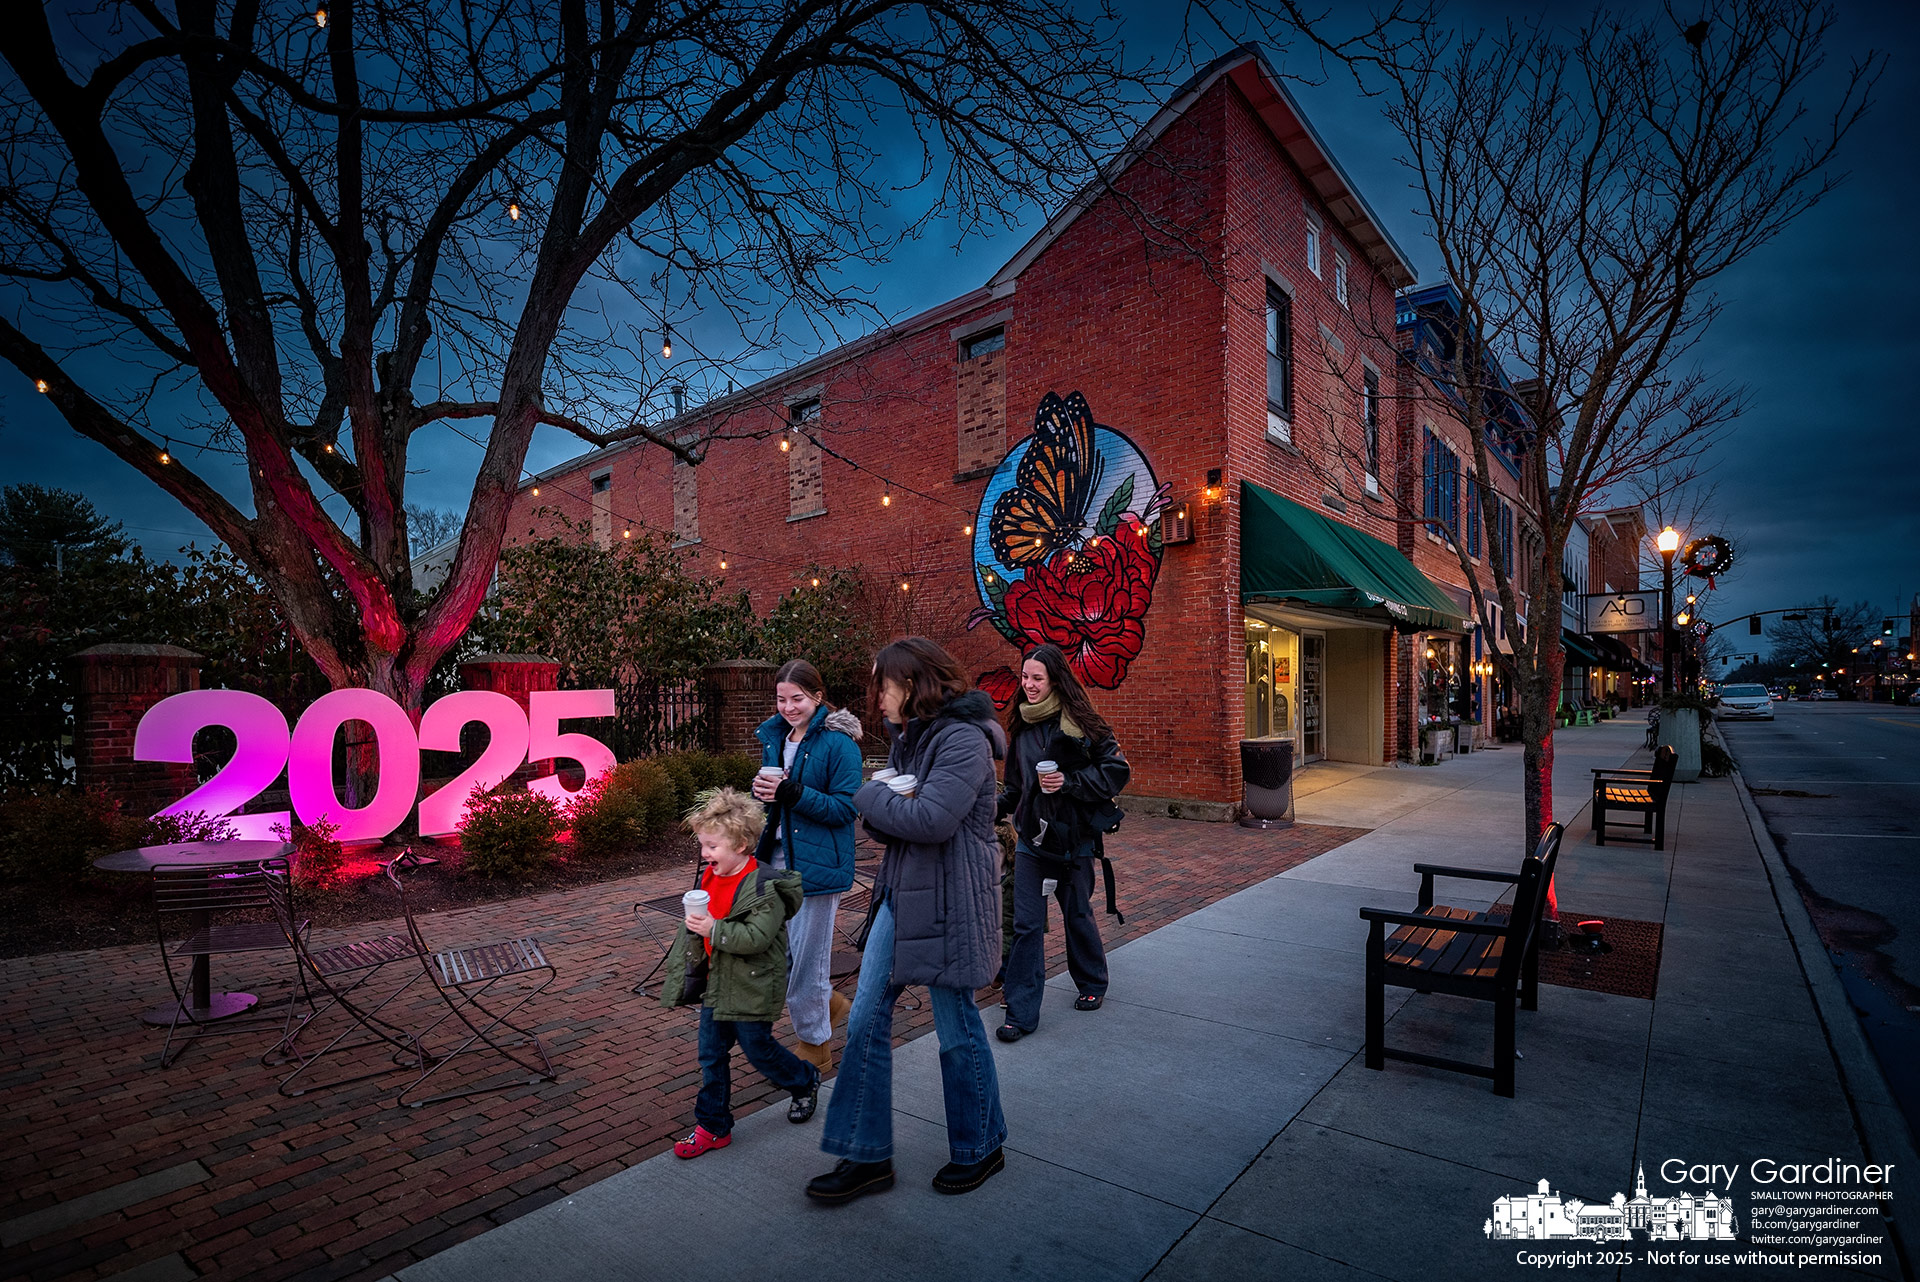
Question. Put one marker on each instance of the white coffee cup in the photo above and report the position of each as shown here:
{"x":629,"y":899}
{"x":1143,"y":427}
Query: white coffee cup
{"x":903,"y":785}
{"x":885,"y":773}
{"x":695,"y":902}
{"x":772,"y":772}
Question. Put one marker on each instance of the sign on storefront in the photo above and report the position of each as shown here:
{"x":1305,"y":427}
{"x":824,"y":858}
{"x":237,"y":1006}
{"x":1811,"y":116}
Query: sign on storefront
{"x":1619,"y":612}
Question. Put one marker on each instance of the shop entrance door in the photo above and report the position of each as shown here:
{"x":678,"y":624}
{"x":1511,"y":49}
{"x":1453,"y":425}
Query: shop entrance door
{"x":1313,"y":736}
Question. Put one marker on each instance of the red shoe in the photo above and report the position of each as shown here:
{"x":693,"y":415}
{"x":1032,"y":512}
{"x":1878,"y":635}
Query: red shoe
{"x":699,"y":1142}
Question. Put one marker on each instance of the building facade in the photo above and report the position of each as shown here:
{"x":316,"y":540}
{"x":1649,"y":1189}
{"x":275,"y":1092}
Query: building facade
{"x":1160,"y":436}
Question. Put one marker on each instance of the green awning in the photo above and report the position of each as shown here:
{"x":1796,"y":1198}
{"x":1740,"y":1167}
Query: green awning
{"x":1579,"y":653}
{"x":1291,"y":554}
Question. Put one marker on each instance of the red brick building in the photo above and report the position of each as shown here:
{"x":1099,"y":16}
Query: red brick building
{"x":1156,"y":435}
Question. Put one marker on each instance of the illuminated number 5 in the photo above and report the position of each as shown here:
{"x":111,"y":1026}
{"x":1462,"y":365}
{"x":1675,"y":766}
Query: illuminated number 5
{"x":546,"y":708}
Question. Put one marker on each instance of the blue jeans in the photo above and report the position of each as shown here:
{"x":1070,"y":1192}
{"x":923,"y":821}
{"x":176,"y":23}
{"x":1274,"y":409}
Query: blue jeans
{"x":860,"y":1114}
{"x":779,"y":1065}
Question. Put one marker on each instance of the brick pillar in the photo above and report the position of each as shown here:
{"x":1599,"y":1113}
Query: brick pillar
{"x":517,"y":676}
{"x":114,"y":686}
{"x":739,"y":698}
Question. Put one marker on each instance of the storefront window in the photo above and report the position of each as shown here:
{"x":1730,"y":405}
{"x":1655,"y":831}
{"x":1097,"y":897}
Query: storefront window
{"x":1446,"y":691}
{"x":1272,"y":664}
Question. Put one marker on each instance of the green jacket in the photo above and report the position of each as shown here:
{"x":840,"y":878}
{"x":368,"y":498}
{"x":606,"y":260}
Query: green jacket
{"x":746,"y":978}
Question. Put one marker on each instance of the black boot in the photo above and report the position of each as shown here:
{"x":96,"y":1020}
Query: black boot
{"x":801,"y":1109}
{"x":850,"y":1179}
{"x":964,"y":1177}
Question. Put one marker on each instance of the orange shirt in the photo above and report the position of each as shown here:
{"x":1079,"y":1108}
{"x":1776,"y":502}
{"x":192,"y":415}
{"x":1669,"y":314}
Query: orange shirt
{"x":721,"y":891}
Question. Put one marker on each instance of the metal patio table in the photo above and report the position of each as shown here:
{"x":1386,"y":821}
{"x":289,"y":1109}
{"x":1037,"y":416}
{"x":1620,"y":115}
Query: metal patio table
{"x":205,"y":1005}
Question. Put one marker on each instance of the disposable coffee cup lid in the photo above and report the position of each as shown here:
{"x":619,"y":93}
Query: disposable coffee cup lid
{"x":902,"y":783}
{"x":884,"y":773}
{"x":693,"y":897}
{"x":1046,"y":767}
{"x":772,"y":770}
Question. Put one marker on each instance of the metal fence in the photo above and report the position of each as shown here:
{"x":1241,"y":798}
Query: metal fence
{"x":651,"y":715}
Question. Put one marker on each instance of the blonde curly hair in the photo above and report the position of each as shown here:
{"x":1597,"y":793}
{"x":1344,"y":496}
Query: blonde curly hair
{"x":728,"y":811}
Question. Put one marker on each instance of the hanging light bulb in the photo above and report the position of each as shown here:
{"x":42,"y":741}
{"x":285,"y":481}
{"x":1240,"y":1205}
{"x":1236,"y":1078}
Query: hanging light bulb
{"x":513,"y":210}
{"x":886,"y":500}
{"x":903,"y":585}
{"x":166,"y":451}
{"x":626,"y":534}
{"x":816,"y":583}
{"x":723,"y":562}
{"x":966,"y":529}
{"x":666,"y":343}
{"x":536,"y":491}
{"x":785,"y":444}
{"x":40,"y":386}
{"x":320,"y":16}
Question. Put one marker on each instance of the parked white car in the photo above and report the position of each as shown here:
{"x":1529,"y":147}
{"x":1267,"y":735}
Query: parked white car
{"x":1744,"y":703}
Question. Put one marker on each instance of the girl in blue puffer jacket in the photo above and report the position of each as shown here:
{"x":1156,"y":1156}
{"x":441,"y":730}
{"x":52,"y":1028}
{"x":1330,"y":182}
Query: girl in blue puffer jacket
{"x":810,"y":769}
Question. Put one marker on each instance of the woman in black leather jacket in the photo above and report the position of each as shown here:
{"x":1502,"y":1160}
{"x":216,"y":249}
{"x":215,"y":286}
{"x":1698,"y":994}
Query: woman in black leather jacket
{"x":1059,"y":816}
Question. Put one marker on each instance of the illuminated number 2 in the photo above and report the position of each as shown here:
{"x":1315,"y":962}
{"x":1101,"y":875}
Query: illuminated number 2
{"x":166,"y":734}
{"x":440,"y":730}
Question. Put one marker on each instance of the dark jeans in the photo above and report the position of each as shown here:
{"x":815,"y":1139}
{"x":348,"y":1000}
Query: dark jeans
{"x":1026,"y":977}
{"x":860,"y":1111}
{"x":778,"y":1064}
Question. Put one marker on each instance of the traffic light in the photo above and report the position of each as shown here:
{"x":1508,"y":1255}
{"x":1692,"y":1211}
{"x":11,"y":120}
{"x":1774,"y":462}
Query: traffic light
{"x":1753,"y":625}
{"x":1886,"y":627}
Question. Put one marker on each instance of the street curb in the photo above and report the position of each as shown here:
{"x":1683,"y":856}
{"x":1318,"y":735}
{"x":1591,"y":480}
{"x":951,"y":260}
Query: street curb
{"x":1883,"y":1134}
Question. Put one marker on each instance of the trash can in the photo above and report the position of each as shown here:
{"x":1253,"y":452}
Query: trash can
{"x":1266,"y":766}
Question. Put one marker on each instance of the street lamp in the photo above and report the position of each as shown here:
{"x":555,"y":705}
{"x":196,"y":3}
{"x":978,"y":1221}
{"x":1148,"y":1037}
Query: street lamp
{"x":1668,"y":542}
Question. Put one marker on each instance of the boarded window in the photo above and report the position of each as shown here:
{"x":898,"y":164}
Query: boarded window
{"x":981,"y":386}
{"x":686,"y":502}
{"x":806,"y":491}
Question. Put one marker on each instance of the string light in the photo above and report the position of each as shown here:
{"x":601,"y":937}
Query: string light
{"x":328,"y":447}
{"x":785,"y":444}
{"x":513,"y":210}
{"x":723,"y":562}
{"x":536,"y":491}
{"x":816,"y":583}
{"x":627,"y":533}
{"x":166,"y":451}
{"x":40,"y":386}
{"x":320,"y":16}
{"x":966,"y":529}
{"x":903,"y":585}
{"x":666,"y":343}
{"x":886,"y":500}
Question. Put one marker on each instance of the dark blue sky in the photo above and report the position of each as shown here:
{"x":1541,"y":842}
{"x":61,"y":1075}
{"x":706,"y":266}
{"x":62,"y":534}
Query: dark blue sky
{"x":1818,"y":484}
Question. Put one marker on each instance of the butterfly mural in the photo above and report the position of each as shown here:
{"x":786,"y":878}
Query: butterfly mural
{"x":1067,"y":544}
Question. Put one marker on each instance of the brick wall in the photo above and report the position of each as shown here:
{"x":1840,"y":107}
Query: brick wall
{"x":686,"y":503}
{"x":739,"y":697}
{"x":1168,"y":348}
{"x":115,"y":685}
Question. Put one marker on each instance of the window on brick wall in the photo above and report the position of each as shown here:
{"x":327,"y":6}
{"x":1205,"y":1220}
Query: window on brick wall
{"x":686,"y":502}
{"x":1506,"y":537}
{"x":1473,"y":516}
{"x":602,"y":515}
{"x":1279,"y":351}
{"x":980,"y":385}
{"x":1440,"y":467}
{"x":806,"y":489}
{"x":1340,"y":275}
{"x":993,"y":340}
{"x":1313,"y":242}
{"x":1370,"y":425}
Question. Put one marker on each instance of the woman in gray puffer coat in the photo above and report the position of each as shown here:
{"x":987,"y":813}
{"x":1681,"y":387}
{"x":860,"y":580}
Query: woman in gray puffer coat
{"x":935,"y":921}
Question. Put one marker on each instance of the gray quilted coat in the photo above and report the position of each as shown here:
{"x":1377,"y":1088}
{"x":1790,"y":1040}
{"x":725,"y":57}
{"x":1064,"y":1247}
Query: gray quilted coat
{"x":941,"y":872}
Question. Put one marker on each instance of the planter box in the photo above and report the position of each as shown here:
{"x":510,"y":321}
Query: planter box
{"x":1681,"y":728}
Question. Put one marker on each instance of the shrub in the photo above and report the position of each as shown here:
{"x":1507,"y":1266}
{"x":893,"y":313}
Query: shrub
{"x":694,"y":772}
{"x":55,"y":835}
{"x":509,"y":834}
{"x":194,"y":825}
{"x":1715,"y":763}
{"x":625,"y":808}
{"x":317,"y":856}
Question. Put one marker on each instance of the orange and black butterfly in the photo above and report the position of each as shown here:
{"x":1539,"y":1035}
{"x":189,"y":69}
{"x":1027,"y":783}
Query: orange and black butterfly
{"x":1046,"y":510}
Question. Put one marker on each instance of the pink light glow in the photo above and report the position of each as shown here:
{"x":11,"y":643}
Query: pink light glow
{"x":310,"y":764}
{"x":166,"y":733}
{"x":440,"y":728}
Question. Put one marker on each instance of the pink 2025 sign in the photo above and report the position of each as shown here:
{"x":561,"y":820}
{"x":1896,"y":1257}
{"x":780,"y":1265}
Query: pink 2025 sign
{"x":266,"y":746}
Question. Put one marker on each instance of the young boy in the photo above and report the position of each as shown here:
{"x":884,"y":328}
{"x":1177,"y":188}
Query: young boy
{"x":732,"y":958}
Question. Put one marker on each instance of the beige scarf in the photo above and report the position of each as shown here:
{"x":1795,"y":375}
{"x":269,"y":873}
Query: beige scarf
{"x":1032,"y":713}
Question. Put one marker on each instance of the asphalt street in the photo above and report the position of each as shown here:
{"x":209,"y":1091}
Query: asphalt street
{"x":1839,"y":787}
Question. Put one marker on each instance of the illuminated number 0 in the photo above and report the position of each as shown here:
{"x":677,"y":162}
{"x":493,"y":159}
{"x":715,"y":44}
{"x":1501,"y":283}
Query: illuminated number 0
{"x":310,"y":764}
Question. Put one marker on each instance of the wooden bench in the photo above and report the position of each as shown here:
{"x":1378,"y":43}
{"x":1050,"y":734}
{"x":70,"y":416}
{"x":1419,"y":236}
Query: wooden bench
{"x":1635,"y":792}
{"x":1480,"y":955}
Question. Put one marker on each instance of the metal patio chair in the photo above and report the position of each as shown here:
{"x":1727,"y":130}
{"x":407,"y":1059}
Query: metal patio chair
{"x":202,"y":911}
{"x":465,"y":978}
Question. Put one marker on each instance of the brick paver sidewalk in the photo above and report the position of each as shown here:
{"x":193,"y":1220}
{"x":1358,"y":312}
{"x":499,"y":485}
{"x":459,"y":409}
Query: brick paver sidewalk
{"x":344,"y":1183}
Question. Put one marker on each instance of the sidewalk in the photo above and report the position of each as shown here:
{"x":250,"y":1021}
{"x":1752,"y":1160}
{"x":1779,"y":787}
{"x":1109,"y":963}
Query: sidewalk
{"x":1215,"y":1120}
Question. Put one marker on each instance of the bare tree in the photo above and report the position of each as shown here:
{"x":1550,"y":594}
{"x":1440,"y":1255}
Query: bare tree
{"x":1587,"y":189}
{"x":297,"y":242}
{"x":429,"y":527}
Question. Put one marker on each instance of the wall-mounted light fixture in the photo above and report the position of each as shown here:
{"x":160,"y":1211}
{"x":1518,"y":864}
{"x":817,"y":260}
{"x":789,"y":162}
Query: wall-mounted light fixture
{"x":1213,"y":484}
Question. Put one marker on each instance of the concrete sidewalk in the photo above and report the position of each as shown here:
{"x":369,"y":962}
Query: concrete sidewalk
{"x":1215,"y":1119}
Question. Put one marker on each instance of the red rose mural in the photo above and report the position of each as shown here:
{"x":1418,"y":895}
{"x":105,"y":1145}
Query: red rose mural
{"x":1049,"y":569}
{"x":1000,"y":686}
